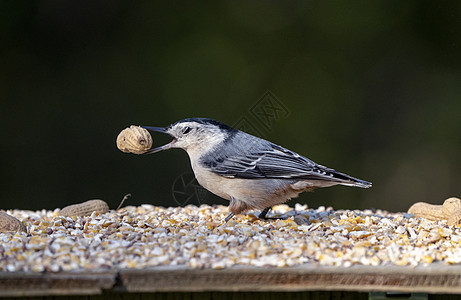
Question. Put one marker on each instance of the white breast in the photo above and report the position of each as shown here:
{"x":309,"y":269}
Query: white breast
{"x":216,"y":184}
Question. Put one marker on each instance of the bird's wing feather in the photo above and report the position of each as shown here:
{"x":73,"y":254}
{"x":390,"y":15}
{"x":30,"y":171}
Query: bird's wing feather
{"x":275,"y":162}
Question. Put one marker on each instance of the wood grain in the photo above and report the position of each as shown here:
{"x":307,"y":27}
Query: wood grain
{"x":434,"y":279}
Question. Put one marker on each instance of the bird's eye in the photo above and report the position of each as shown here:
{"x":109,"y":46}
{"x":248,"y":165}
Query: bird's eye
{"x":186,"y":130}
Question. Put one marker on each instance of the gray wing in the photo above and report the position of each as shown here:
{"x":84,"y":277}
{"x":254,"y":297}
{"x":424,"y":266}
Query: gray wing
{"x":274,"y":162}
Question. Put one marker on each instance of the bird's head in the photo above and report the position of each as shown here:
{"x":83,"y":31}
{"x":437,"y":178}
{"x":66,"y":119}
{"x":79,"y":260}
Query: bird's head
{"x":195,"y":135}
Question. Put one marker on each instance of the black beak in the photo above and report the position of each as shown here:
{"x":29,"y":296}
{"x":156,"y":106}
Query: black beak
{"x":157,"y":129}
{"x":161,"y":148}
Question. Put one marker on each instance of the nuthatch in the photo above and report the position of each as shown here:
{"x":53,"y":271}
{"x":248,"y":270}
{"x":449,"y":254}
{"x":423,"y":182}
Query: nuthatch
{"x":250,"y":172}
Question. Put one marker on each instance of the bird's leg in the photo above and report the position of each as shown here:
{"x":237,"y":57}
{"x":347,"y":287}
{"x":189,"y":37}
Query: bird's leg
{"x":229,"y":216}
{"x":264,"y":212}
{"x":235,"y":208}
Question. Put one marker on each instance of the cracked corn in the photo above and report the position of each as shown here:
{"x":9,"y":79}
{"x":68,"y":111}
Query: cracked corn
{"x":146,"y":236}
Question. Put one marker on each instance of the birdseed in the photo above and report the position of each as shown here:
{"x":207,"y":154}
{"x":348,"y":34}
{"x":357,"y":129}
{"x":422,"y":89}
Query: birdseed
{"x":147,"y":236}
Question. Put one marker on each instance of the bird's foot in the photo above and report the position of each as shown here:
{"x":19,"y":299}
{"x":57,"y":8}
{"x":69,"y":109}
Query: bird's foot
{"x":263,"y":215}
{"x":274,"y":218}
{"x":264,"y":212}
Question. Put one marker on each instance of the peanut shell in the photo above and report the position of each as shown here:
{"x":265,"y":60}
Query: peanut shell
{"x":134,"y":139}
{"x":455,"y":218}
{"x":10,"y":223}
{"x":85,"y":208}
{"x":426,"y":210}
{"x":450,"y":206}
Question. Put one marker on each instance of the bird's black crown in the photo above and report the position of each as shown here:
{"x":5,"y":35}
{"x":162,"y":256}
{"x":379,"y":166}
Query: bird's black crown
{"x":206,"y":121}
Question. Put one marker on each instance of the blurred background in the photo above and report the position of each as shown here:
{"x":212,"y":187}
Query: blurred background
{"x":369,"y":88}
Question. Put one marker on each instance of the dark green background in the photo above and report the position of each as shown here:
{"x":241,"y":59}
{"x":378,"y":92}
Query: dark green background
{"x":373,"y":89}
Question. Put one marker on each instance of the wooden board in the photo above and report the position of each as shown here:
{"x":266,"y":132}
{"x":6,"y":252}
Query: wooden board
{"x":437,"y":278}
{"x":46,"y":284}
{"x":433,"y":279}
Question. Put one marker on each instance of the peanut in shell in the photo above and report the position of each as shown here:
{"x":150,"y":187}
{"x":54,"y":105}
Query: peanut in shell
{"x":134,"y":139}
{"x":452,"y":210}
{"x":10,"y":223}
{"x":85,"y":209}
{"x":426,"y":210}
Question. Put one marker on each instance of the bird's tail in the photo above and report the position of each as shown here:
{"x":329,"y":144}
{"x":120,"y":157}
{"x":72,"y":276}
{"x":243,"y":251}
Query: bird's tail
{"x":348,"y":180}
{"x":358,"y":183}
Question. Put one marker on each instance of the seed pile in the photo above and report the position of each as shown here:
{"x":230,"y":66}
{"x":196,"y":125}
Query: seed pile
{"x":145,"y":236}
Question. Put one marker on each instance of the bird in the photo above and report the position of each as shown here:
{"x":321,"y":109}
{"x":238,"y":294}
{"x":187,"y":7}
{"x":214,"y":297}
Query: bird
{"x":251,"y":172}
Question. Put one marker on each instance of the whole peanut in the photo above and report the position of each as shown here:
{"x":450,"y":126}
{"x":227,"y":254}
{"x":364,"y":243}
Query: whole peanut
{"x":10,"y":223}
{"x":452,"y":210}
{"x":426,"y":210}
{"x":85,"y":208}
{"x":134,"y":139}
